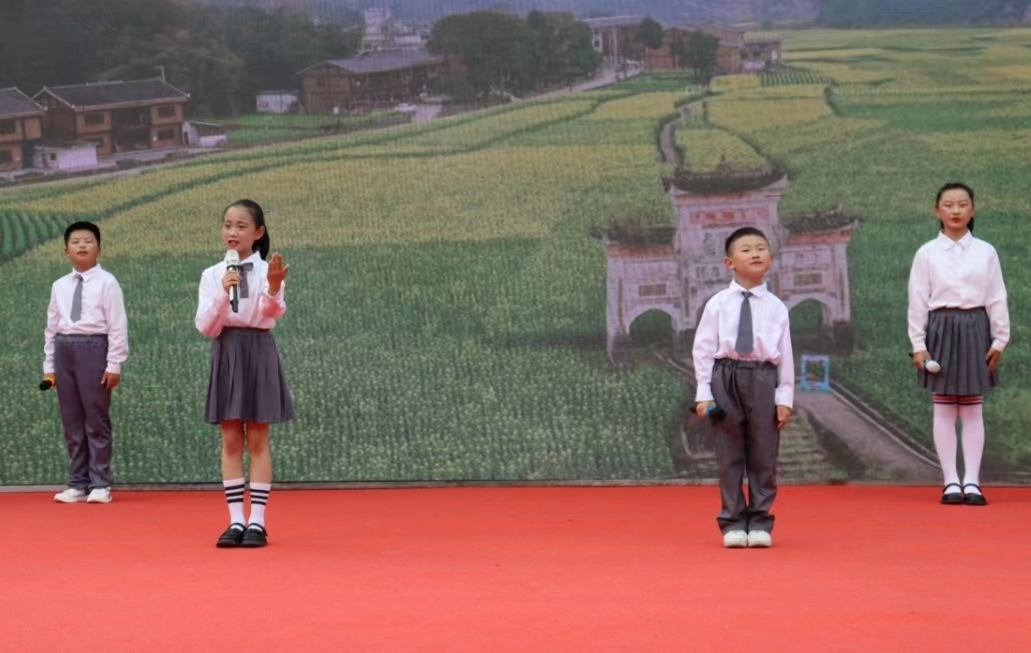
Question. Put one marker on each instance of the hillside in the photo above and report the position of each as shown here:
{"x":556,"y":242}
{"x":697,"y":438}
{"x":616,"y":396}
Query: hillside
{"x":668,"y":11}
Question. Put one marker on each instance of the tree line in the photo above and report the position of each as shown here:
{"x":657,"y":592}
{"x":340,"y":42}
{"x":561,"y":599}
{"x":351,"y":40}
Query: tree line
{"x":221,"y":55}
{"x":888,"y":13}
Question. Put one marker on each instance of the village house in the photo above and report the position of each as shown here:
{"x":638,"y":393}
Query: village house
{"x":739,"y":52}
{"x":368,"y":80}
{"x":64,"y":156}
{"x":614,"y":37}
{"x":20,"y":128}
{"x":115,"y":116}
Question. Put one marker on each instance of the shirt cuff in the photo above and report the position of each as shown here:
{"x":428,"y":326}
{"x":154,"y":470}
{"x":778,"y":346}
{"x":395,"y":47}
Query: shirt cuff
{"x":785,"y":397}
{"x":998,"y":345}
{"x":114,"y":368}
{"x":918,"y":345}
{"x":704,"y":393}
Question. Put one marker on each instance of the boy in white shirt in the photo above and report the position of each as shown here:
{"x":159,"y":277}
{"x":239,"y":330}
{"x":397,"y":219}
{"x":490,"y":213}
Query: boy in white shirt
{"x":85,"y":344}
{"x":744,"y":366}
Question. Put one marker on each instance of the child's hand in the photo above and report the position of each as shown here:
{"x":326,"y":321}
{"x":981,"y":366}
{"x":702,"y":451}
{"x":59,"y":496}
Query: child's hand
{"x":994,"y":357}
{"x":919,"y":358}
{"x":783,"y":416}
{"x":703,"y":407}
{"x":110,"y":380}
{"x":276,"y":273}
{"x":232,"y":278}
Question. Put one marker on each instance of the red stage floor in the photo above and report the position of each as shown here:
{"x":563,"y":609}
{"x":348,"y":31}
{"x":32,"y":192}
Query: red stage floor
{"x":868,"y":569}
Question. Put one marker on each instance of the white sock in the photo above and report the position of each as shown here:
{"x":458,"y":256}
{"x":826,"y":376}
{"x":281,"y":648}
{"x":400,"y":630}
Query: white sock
{"x":945,"y":441}
{"x":234,"y":498}
{"x":259,"y":498}
{"x":973,"y":444}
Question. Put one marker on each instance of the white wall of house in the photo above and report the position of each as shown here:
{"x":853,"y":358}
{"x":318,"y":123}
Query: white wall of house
{"x":277,"y":102}
{"x":71,"y":157}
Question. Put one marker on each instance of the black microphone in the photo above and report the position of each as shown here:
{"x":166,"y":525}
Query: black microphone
{"x":233,"y":265}
{"x":46,"y":383}
{"x":712,"y":412}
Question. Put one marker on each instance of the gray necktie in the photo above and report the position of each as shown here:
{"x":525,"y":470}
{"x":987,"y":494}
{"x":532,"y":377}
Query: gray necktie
{"x":744,"y":326}
{"x":244,"y":289}
{"x":77,"y":299}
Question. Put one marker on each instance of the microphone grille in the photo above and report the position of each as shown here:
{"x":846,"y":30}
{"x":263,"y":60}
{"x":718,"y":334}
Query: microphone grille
{"x":232,"y":257}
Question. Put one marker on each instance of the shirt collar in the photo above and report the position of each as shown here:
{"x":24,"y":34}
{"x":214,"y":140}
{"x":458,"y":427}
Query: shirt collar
{"x":88,"y":274}
{"x":948,"y":243}
{"x":255,"y":255}
{"x":758,"y":291}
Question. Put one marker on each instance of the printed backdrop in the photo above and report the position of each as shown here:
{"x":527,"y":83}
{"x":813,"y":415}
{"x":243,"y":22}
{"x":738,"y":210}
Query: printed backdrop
{"x":449,"y":278}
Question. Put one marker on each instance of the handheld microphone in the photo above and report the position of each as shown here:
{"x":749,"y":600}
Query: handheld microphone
{"x":233,"y":264}
{"x":932,"y":367}
{"x":48,"y":382}
{"x":712,"y":412}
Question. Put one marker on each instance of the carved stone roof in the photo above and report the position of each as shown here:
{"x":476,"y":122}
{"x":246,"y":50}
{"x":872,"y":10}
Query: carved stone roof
{"x":833,"y":220}
{"x":722,"y":182}
{"x":658,"y":234}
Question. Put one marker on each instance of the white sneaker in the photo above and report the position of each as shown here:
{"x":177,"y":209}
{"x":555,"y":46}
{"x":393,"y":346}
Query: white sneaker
{"x":70,"y":495}
{"x":99,"y":495}
{"x":735,"y":540}
{"x":760,"y":540}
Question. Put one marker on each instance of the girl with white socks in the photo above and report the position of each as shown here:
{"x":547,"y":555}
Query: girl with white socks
{"x":958,"y":317}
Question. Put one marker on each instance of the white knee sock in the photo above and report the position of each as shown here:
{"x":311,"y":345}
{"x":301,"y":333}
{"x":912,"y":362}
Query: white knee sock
{"x":259,"y":499}
{"x":973,"y":444}
{"x":945,"y":441}
{"x":234,"y":498}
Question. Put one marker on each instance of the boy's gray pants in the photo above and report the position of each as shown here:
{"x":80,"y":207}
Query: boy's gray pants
{"x":79,"y":365}
{"x":747,"y":442}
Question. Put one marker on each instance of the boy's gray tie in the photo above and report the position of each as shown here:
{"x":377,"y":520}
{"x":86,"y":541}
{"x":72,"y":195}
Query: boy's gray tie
{"x":744,"y":326}
{"x":77,"y":299}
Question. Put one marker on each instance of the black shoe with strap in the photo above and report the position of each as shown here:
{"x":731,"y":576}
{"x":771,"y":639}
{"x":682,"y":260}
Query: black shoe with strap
{"x":255,"y":536}
{"x":972,"y":499}
{"x":952,"y":498}
{"x":232,"y":537}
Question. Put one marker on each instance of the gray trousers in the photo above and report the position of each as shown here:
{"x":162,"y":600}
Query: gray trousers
{"x":79,"y":365}
{"x":747,"y":442}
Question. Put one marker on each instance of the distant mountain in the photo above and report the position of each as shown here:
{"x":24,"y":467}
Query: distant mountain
{"x":668,"y":12}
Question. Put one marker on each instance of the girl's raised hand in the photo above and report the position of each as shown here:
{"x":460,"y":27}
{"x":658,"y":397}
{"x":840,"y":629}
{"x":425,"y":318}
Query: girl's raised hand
{"x":276,"y":273}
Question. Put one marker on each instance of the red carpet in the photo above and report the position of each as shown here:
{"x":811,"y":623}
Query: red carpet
{"x":867,"y":569}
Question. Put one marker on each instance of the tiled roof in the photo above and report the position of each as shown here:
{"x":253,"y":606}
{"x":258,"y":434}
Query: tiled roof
{"x":110,"y":93}
{"x":382,"y":61}
{"x":14,"y":103}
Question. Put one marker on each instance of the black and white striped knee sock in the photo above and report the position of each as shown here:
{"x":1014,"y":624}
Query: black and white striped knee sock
{"x":259,"y":499}
{"x":234,"y":497}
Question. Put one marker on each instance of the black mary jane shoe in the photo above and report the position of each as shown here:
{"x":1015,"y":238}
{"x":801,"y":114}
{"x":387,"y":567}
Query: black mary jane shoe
{"x":974,"y":499}
{"x":952,"y":498}
{"x":232,"y":537}
{"x":255,"y":536}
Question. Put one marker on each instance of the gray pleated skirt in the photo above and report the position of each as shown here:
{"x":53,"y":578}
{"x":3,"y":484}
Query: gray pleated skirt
{"x":959,"y":339}
{"x":247,"y":381}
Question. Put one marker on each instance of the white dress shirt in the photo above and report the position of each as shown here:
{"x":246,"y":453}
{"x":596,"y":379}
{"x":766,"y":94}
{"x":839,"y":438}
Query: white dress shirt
{"x":103,"y":313}
{"x":259,"y":310}
{"x":957,"y":274}
{"x":716,"y":337}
